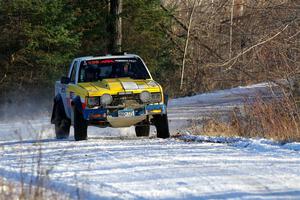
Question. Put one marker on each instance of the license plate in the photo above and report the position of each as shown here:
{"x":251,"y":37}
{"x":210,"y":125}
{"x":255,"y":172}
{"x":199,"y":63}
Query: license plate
{"x":126,"y":113}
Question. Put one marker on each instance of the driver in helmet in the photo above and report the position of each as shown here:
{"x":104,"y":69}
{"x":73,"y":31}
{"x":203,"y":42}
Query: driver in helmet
{"x":90,"y":74}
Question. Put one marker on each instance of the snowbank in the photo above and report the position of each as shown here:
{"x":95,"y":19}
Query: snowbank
{"x":258,"y":144}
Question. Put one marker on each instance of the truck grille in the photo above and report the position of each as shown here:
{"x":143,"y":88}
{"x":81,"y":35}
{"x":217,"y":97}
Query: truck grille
{"x":127,"y":99}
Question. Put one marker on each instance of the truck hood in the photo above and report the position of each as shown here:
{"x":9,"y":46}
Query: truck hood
{"x":117,"y":85}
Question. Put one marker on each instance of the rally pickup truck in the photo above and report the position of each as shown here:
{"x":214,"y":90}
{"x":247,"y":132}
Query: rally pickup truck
{"x":109,"y":91}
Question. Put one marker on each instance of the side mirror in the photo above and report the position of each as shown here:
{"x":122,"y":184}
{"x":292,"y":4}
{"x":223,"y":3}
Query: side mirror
{"x":65,"y":80}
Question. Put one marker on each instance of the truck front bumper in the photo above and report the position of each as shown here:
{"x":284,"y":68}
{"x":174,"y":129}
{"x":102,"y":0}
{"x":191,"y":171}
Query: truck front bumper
{"x":103,"y":114}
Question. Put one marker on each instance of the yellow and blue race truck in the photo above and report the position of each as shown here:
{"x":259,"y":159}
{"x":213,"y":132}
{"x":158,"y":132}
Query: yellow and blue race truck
{"x":109,"y":91}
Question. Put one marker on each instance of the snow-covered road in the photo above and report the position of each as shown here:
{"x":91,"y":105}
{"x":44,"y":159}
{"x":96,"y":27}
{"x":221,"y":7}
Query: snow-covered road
{"x":114,"y":164}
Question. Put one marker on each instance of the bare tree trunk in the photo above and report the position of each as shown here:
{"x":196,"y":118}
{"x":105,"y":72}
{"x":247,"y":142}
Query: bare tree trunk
{"x":116,"y":26}
{"x":231,"y":24}
{"x":118,"y":35}
{"x":187,"y":42}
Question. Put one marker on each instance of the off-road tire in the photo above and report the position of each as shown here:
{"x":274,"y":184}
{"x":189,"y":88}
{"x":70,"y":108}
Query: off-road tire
{"x":80,"y":126}
{"x":62,"y":123}
{"x":162,"y":125}
{"x":142,"y":131}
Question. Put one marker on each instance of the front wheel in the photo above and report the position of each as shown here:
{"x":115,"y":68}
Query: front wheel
{"x":142,"y":131}
{"x":80,"y":126}
{"x":162,"y":125}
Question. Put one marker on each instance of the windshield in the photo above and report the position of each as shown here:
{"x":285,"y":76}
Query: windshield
{"x":94,"y":70}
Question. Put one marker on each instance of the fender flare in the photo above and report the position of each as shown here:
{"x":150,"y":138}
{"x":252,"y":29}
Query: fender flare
{"x":76,"y":103}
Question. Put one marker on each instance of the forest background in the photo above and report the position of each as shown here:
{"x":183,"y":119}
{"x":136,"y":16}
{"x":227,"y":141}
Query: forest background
{"x":190,"y":46}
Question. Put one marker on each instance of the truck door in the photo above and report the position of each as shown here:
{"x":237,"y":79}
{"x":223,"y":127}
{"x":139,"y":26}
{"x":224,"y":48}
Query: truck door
{"x":68,"y":94}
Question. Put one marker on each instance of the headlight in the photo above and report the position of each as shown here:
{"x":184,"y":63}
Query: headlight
{"x":106,"y":99}
{"x":156,"y":97}
{"x":93,"y":101}
{"x":145,"y":97}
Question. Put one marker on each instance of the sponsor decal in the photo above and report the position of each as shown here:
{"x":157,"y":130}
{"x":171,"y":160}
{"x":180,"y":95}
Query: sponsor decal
{"x":96,"y":62}
{"x":130,"y":61}
{"x":63,"y":89}
{"x":106,"y":61}
{"x":69,"y":99}
{"x":72,"y":95}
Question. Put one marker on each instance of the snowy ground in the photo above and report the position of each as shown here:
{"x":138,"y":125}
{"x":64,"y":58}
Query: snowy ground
{"x":113,"y":163}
